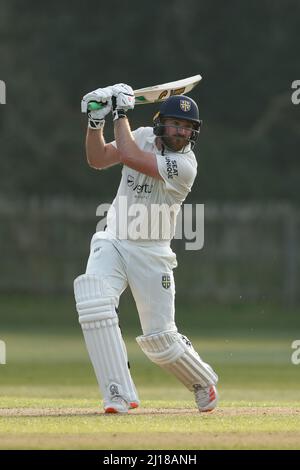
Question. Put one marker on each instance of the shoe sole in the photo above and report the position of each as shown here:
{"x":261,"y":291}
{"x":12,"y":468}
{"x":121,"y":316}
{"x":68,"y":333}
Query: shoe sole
{"x":207,"y":411}
{"x":111,"y":410}
{"x":133,"y":405}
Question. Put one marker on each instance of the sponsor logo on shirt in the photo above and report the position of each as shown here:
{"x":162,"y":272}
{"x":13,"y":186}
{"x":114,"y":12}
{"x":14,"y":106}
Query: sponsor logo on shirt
{"x":172,"y":168}
{"x":130,"y":181}
{"x":139,"y":188}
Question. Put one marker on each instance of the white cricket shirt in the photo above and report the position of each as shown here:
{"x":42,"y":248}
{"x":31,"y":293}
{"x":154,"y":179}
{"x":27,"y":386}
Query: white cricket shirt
{"x":146,"y":208}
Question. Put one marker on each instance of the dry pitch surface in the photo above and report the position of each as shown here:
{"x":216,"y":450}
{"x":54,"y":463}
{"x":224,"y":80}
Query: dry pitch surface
{"x":228,"y":427}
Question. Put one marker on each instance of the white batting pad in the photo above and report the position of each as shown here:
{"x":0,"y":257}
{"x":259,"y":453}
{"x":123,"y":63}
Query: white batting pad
{"x":175,"y":353}
{"x":104,"y":342}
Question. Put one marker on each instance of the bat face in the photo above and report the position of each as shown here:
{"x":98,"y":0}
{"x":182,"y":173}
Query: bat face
{"x":157,"y":93}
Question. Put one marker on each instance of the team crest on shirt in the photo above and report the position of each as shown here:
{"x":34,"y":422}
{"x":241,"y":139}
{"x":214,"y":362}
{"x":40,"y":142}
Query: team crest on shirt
{"x":166,"y":281}
{"x":185,"y":105}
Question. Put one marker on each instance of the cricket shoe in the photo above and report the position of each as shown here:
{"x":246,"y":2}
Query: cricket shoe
{"x":133,"y":405}
{"x":117,"y":404}
{"x":206,"y":397}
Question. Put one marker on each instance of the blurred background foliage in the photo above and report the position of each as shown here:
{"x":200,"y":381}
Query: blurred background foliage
{"x":247,"y":52}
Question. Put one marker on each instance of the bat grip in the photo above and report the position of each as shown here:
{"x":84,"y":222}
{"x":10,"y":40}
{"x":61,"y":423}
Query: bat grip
{"x":95,"y":105}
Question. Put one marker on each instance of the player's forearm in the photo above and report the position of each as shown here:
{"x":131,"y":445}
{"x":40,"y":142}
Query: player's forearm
{"x":125,"y":140}
{"x":95,"y":148}
{"x":130,"y":154}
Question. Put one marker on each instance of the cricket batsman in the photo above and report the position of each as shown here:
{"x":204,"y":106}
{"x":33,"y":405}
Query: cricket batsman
{"x":158,"y":170}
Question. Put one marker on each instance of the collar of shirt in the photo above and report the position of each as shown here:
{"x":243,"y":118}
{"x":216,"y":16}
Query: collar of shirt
{"x":151,"y":139}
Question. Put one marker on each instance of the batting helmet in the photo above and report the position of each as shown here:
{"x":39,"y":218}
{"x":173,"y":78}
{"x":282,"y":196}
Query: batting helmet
{"x":180,"y":107}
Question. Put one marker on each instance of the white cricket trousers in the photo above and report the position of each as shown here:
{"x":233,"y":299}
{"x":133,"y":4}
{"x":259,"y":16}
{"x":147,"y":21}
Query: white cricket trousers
{"x":147,"y":267}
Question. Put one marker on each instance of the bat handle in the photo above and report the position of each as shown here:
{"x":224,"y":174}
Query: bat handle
{"x":94,"y":105}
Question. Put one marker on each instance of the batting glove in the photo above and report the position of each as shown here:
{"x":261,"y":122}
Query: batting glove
{"x":123,"y":99}
{"x":96,"y":118}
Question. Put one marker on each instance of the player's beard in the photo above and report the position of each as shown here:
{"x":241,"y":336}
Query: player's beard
{"x":175,"y":143}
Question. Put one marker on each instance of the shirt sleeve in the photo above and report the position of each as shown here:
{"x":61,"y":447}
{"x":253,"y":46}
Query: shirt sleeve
{"x":177,"y":172}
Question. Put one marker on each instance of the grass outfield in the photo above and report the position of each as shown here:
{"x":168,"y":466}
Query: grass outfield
{"x":49,"y":398}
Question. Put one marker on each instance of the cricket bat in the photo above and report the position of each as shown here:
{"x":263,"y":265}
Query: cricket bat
{"x":157,"y":93}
